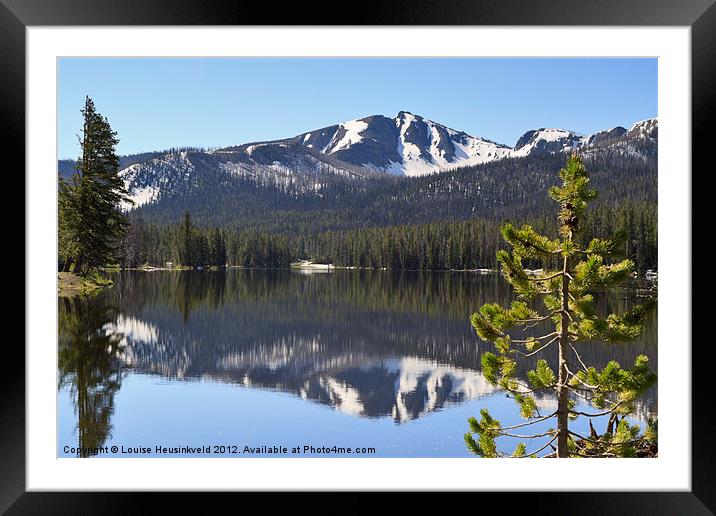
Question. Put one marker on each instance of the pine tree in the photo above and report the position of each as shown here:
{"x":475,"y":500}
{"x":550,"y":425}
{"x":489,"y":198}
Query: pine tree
{"x":184,"y":237}
{"x":568,"y":297}
{"x":91,"y":225}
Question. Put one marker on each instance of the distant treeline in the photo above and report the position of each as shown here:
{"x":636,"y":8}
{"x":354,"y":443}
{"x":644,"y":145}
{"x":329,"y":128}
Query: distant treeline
{"x":187,"y":245}
{"x":467,"y":244}
{"x":472,"y":244}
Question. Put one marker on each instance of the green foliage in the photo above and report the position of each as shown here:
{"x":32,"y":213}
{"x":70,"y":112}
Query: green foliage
{"x":520,"y":450}
{"x":491,"y":364}
{"x":527,"y":243}
{"x":528,"y":405}
{"x":572,"y":195}
{"x":492,"y":320}
{"x":515,"y":273}
{"x":614,"y":328}
{"x":542,"y":377}
{"x":91,"y":224}
{"x":567,"y":294}
{"x":487,"y":430}
{"x":592,"y":273}
{"x":626,"y":384}
{"x":651,"y":433}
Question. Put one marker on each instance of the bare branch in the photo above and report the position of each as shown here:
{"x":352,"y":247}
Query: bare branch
{"x":542,"y":448}
{"x":525,"y":341}
{"x":584,"y":396}
{"x":530,"y":422}
{"x":599,"y":413}
{"x":630,"y":441}
{"x":535,"y":436}
{"x":597,"y":456}
{"x":586,"y":369}
{"x":586,"y":385}
{"x":547,"y":278}
{"x":535,"y":351}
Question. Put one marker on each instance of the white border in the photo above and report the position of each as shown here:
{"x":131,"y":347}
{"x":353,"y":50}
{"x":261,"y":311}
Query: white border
{"x":671,"y":471}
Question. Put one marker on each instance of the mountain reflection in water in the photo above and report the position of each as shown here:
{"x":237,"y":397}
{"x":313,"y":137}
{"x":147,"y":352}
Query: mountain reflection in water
{"x":372,"y":344}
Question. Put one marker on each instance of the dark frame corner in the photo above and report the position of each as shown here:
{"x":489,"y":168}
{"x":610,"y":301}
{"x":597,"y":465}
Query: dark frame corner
{"x":700,"y":15}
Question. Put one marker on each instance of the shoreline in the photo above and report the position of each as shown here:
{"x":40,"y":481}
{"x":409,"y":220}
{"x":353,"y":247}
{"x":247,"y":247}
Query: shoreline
{"x":322,"y":267}
{"x":70,"y":284}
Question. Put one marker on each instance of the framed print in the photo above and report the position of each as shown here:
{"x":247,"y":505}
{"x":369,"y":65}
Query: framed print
{"x":348,"y":256}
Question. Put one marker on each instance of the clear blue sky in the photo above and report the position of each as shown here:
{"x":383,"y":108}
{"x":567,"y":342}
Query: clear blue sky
{"x":157,"y":103}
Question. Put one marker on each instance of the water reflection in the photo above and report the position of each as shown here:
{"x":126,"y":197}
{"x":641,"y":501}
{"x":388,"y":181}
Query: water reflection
{"x":89,"y":347}
{"x":370,"y":344}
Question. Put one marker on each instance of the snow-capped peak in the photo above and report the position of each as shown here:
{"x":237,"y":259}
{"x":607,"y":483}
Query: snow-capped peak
{"x":406,"y":144}
{"x":546,"y":140}
{"x":551,"y":140}
{"x":645,"y":129}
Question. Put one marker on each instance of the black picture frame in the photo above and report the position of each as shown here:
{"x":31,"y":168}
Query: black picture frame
{"x":699,"y":15}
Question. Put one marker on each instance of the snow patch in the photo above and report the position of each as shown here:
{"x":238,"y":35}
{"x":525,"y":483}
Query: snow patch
{"x":352,"y":135}
{"x":140,"y":196}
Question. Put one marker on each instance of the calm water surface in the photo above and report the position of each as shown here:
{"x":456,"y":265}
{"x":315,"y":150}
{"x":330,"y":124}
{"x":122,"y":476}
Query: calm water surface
{"x":359,"y":359}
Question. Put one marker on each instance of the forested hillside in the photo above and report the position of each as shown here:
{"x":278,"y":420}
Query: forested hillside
{"x":513,"y":188}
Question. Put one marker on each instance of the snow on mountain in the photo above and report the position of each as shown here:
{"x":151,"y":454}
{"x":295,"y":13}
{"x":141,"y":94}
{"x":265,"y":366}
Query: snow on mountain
{"x":560,"y":140}
{"x":405,"y":145}
{"x":279,"y":164}
{"x":647,"y":129}
{"x":410,"y":145}
{"x":145,"y":181}
{"x":546,"y":140}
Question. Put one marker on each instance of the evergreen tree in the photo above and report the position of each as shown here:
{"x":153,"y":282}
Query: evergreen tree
{"x":91,"y":225}
{"x":568,"y":296}
{"x":184,"y":237}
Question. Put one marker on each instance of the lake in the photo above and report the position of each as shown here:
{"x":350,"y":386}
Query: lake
{"x":247,"y":362}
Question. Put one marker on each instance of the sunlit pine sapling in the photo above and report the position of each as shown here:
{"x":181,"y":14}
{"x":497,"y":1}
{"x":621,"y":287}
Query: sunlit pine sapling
{"x":568,"y":297}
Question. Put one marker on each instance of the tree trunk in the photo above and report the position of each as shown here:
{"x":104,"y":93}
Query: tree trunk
{"x":78,"y":265}
{"x":562,"y":407}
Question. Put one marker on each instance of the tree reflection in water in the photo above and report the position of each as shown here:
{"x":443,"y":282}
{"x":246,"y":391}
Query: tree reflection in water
{"x":88,"y":364}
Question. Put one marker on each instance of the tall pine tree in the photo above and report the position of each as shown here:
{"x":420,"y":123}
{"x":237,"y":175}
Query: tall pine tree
{"x":568,"y":297}
{"x":91,"y":225}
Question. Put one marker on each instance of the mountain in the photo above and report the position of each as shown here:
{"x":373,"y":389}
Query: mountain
{"x":545,"y":140}
{"x":377,"y":170}
{"x":407,"y":145}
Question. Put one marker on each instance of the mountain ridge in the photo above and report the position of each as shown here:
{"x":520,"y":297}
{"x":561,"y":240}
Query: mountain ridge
{"x":309,"y":163}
